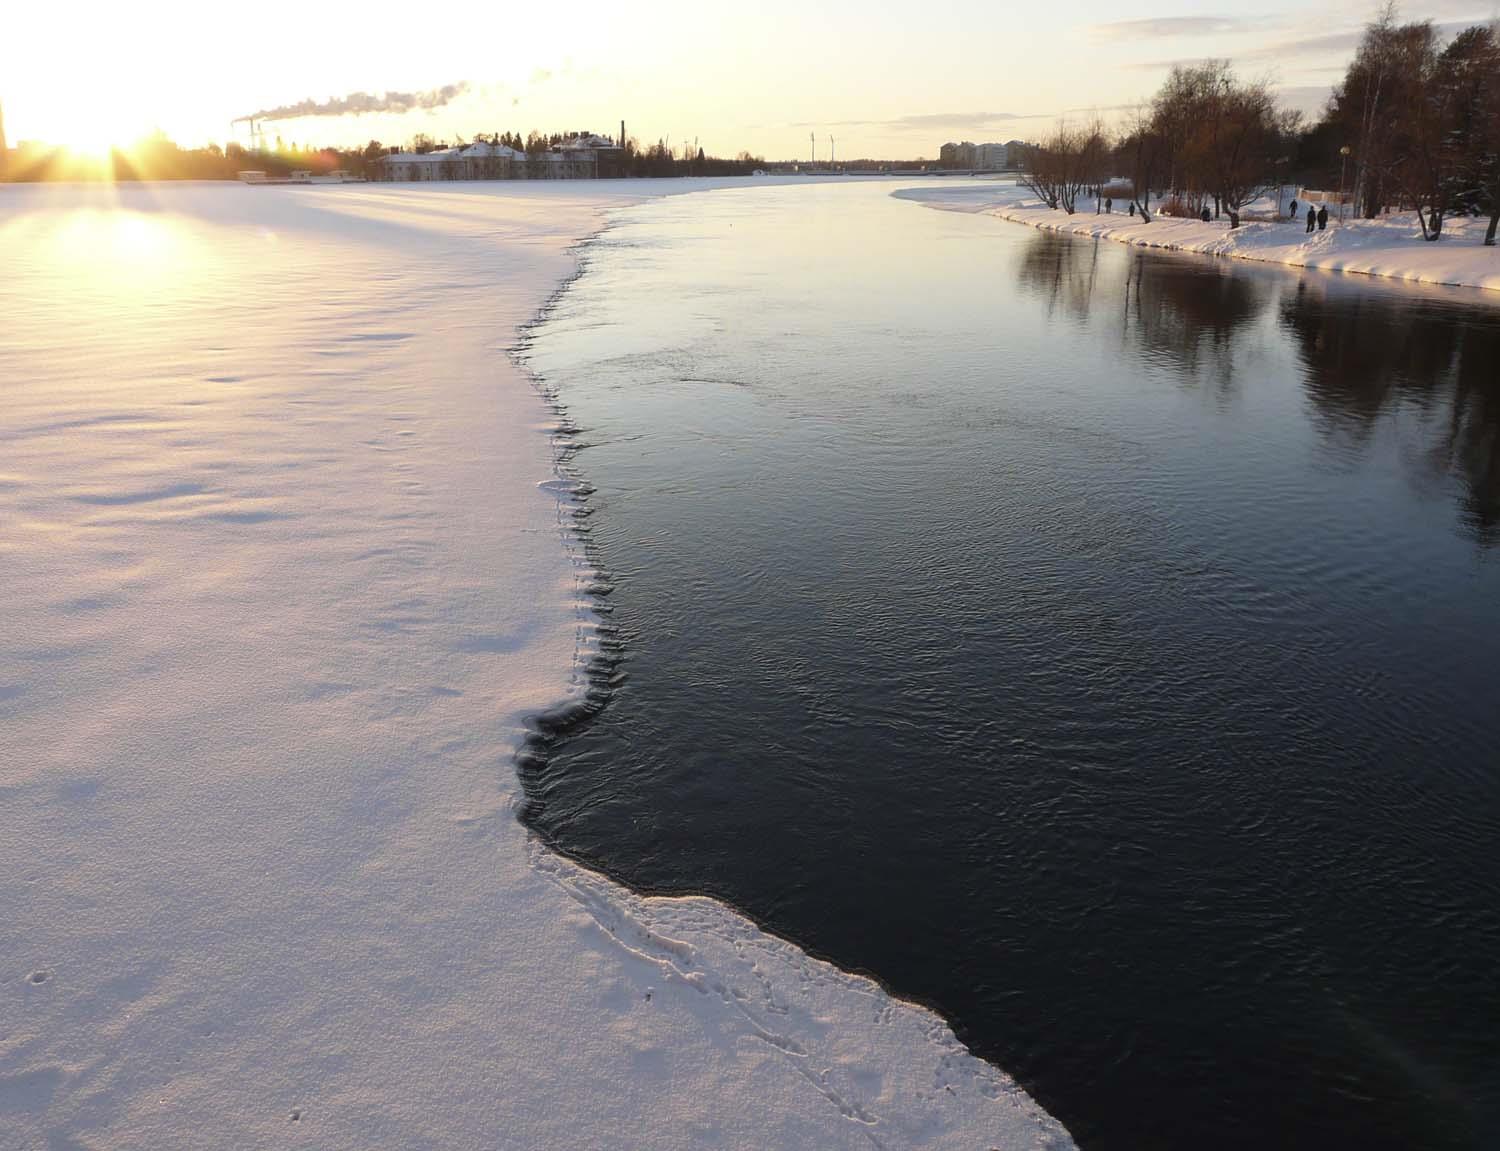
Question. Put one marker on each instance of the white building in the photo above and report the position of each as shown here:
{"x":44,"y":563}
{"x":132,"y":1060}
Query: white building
{"x":574,"y":159}
{"x":481,"y":161}
{"x":490,"y":161}
{"x":991,"y":157}
{"x":586,"y":143}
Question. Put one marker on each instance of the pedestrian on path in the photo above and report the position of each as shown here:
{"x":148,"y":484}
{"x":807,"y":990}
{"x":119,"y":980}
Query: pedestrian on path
{"x":1322,"y":217}
{"x":1293,"y":212}
{"x":1312,"y":217}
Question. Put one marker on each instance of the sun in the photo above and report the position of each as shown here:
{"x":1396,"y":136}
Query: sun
{"x":89,"y":127}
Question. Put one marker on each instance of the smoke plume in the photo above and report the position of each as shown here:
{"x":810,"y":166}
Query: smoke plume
{"x":363,"y":103}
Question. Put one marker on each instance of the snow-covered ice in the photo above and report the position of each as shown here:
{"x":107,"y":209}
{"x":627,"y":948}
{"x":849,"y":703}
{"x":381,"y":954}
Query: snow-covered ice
{"x":284,"y":577}
{"x":1390,"y":247}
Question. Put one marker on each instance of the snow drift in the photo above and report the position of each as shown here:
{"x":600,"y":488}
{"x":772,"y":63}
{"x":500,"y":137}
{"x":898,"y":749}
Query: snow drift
{"x":1390,"y":247}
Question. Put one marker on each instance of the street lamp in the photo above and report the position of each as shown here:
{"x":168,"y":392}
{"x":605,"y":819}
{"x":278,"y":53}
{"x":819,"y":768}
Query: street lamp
{"x":1343,"y":168}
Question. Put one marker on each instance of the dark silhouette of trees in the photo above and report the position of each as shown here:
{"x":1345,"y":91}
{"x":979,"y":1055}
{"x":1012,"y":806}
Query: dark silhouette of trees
{"x":1422,"y":121}
{"x":1218,"y":138}
{"x":158,"y":158}
{"x":1468,"y":155}
{"x":1205,"y":136}
{"x":1414,"y":122}
{"x":1373,"y":104}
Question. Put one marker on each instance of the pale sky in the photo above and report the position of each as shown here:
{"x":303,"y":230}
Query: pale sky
{"x":891,"y":82}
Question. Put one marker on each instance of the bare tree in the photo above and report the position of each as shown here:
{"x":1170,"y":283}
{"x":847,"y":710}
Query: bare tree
{"x":1140,"y":153}
{"x":1175,"y":113}
{"x":1065,"y":163}
{"x":1243,"y":130}
{"x":1094,"y":150}
{"x":1040,"y":172}
{"x":1378,"y":92}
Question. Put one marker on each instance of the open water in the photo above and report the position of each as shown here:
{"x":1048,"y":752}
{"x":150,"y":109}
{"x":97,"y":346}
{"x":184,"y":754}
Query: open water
{"x":1099,"y":646}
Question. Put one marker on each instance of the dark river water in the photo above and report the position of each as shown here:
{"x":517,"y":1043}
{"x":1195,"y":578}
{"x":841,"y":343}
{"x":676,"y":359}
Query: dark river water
{"x":1096,"y":645}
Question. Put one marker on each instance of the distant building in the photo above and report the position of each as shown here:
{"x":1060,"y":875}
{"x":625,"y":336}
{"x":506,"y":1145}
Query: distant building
{"x":956,"y":155}
{"x":582,"y":157}
{"x":604,"y":158}
{"x":483,"y":161}
{"x":480,"y":161}
{"x":991,"y":157}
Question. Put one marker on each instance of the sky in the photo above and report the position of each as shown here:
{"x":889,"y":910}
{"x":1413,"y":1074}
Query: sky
{"x":890,"y":82}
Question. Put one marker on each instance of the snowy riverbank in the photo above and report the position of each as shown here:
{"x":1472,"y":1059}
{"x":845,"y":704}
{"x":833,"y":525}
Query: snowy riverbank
{"x":1392,"y":247}
{"x":284,"y":583}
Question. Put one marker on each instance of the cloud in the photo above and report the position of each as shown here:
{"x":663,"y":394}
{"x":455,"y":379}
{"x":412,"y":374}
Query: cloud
{"x":363,"y":103}
{"x":1163,"y":27}
{"x":1174,"y":62}
{"x":1130,"y":107}
{"x":930,"y":122}
{"x":1341,"y":44}
{"x":1346,"y":42}
{"x":1309,"y":99}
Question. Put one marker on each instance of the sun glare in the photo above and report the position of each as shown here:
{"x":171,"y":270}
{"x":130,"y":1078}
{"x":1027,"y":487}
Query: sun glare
{"x":133,"y":259}
{"x":93,"y":129}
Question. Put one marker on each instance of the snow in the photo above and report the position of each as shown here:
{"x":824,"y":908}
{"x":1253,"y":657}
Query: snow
{"x":286,"y":574}
{"x":1391,"y":247}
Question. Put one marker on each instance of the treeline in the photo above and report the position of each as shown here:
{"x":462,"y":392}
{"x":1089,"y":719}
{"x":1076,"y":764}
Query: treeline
{"x":1413,"y":126}
{"x":1206,"y":137}
{"x":659,"y":159}
{"x":158,"y":158}
{"x":1422,"y":121}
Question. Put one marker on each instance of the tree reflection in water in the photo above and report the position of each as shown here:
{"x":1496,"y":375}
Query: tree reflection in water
{"x":1429,"y":357}
{"x":1181,"y":312}
{"x":1370,"y":353}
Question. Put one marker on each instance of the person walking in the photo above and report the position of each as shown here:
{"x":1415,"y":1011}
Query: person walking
{"x":1293,"y":212}
{"x":1322,"y":217}
{"x":1312,"y":217}
{"x":1109,"y":206}
{"x":1204,"y":216}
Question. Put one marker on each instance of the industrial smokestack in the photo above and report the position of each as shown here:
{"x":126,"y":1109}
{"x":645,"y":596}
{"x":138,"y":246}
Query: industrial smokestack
{"x":622,"y":133}
{"x":362,"y":103}
{"x":4,"y":154}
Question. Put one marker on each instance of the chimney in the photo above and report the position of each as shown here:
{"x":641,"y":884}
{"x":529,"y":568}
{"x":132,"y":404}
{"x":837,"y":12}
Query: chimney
{"x":622,"y":134}
{"x":4,"y":156}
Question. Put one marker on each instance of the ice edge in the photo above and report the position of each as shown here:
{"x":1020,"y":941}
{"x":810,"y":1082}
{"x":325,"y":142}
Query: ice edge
{"x":647,"y":926}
